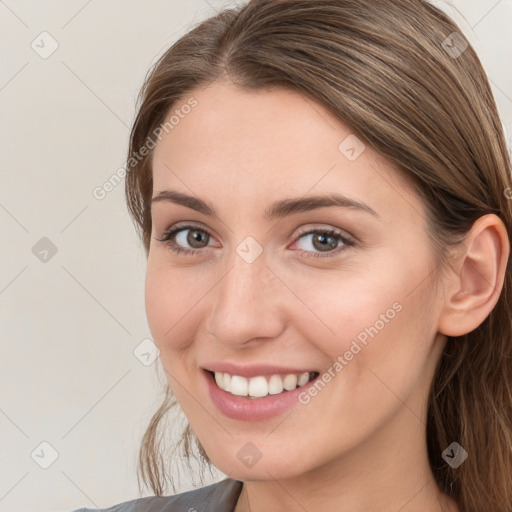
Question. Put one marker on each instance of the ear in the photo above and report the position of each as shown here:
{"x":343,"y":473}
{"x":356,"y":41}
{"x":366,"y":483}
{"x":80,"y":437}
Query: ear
{"x":476,"y":283}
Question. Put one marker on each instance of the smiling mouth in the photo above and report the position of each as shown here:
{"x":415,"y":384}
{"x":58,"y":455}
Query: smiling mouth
{"x":261,"y":386}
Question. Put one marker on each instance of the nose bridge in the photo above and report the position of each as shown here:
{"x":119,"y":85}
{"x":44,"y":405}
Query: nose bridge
{"x":245,"y":303}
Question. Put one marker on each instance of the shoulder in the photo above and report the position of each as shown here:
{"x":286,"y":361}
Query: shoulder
{"x":221,"y":496}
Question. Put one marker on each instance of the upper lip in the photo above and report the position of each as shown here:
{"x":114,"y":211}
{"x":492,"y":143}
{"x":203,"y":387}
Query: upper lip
{"x":252,"y":370}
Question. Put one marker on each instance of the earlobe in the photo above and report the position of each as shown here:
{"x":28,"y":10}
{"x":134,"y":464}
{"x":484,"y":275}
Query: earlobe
{"x":478,"y":276}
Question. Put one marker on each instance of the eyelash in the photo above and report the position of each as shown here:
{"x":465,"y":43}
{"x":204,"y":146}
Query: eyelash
{"x":169,"y":236}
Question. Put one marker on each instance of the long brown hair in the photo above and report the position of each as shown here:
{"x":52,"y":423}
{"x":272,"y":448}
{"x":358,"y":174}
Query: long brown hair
{"x":411,"y":89}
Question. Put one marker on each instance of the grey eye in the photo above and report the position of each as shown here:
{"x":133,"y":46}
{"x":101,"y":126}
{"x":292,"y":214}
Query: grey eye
{"x":195,"y":238}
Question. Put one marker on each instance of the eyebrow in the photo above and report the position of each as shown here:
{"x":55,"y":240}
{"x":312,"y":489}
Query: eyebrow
{"x":279,"y":209}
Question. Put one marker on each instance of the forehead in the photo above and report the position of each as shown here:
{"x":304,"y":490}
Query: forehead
{"x":267,"y":144}
{"x":276,"y":118}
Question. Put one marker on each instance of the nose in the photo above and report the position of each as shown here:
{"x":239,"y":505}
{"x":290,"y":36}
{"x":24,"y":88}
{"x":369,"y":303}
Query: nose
{"x":248,"y":304}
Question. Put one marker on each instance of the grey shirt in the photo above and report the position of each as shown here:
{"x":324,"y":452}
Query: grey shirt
{"x":219,"y":497}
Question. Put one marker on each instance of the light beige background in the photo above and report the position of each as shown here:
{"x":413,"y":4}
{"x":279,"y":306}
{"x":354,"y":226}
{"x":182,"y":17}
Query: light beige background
{"x":69,"y":326}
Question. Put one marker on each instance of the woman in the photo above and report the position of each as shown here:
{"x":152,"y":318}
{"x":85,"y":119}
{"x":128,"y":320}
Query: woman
{"x":322,"y":189}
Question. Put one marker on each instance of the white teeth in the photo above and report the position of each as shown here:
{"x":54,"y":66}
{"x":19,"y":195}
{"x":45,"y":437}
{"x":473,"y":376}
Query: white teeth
{"x":303,"y":379}
{"x":258,"y":387}
{"x":290,"y":382}
{"x":275,"y":385}
{"x":239,"y":385}
{"x":227,"y":382}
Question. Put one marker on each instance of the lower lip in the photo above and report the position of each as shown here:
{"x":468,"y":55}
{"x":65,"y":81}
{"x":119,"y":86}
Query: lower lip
{"x":248,"y":409}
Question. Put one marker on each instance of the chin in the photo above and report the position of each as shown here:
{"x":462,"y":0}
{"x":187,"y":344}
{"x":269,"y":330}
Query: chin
{"x":265,"y":469}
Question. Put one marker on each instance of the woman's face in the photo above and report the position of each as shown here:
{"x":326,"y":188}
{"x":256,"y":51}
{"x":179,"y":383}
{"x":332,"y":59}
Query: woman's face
{"x":266,"y":291}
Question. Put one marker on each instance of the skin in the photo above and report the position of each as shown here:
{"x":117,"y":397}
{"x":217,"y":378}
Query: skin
{"x":359,"y":444}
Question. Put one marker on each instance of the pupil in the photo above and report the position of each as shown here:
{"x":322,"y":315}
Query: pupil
{"x":196,"y":237}
{"x":323,"y":239}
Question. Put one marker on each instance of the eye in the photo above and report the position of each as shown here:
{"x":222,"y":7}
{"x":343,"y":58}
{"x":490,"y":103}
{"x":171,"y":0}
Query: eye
{"x":326,"y":241}
{"x":176,"y":237}
{"x":323,"y":240}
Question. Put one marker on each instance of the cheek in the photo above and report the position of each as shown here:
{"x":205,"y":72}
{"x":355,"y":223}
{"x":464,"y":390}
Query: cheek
{"x":169,"y":309}
{"x":168,"y":298}
{"x":376,"y":319}
{"x":336,"y":307}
